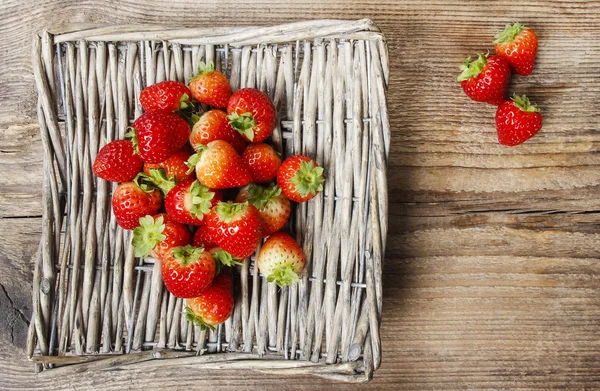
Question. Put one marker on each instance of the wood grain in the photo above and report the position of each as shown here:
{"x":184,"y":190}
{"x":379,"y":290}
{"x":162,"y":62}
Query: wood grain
{"x":492,"y":274}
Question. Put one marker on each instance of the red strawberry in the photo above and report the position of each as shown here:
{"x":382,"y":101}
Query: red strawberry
{"x":175,"y":166}
{"x":517,"y":120}
{"x":159,"y":134}
{"x":202,"y":238}
{"x":485,"y":79}
{"x":117,"y":162}
{"x":300,"y":178}
{"x":273,"y":207}
{"x":235,"y":227}
{"x":130,"y":202}
{"x":210,"y":86}
{"x":218,"y":166}
{"x":214,"y":125}
{"x":281,"y":259}
{"x":518,"y":44}
{"x":189,"y":202}
{"x":252,"y":114}
{"x":262,"y":161}
{"x":167,"y":95}
{"x":157,"y":235}
{"x":214,"y":306}
{"x":188,"y":271}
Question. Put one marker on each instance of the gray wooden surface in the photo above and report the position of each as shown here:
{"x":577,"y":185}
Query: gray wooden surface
{"x":492,"y":275}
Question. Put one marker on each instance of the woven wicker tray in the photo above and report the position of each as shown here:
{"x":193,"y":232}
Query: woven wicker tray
{"x":97,"y":306}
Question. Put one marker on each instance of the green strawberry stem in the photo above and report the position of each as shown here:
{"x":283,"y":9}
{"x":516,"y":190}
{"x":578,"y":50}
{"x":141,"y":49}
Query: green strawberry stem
{"x":186,"y":109}
{"x":224,"y":258}
{"x":308,"y":179}
{"x":523,"y":103}
{"x":187,"y":254}
{"x":260,"y":195}
{"x":204,"y":68}
{"x":195,"y":158}
{"x":132,"y":135}
{"x":197,"y":320}
{"x":158,"y":177}
{"x":147,"y":235}
{"x":509,"y":33}
{"x":244,"y":124}
{"x":283,"y":276}
{"x":228,"y":211}
{"x":145,"y":182}
{"x":201,"y":200}
{"x":472,"y":68}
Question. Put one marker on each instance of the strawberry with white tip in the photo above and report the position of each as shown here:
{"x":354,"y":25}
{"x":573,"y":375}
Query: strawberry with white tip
{"x":281,"y":259}
{"x":273,"y":207}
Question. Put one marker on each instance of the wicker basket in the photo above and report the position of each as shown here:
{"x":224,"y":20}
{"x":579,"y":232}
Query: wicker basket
{"x":97,"y":306}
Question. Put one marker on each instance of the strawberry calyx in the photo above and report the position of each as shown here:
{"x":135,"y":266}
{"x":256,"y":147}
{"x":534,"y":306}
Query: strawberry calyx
{"x":308,"y":179}
{"x":158,"y":177}
{"x":204,"y":68}
{"x":132,"y":136}
{"x":147,"y":235}
{"x":188,"y":254}
{"x":191,"y":316}
{"x":145,"y":182}
{"x":201,"y":200}
{"x":509,"y":33}
{"x":229,"y":211}
{"x":472,"y":68}
{"x":523,"y":103}
{"x":260,"y":195}
{"x":283,"y":276}
{"x":185,"y":102}
{"x":195,"y":158}
{"x":244,"y":124}
{"x":224,"y":258}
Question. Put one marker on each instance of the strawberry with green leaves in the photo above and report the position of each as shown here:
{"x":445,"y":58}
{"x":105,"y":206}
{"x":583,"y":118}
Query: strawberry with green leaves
{"x":219,"y":166}
{"x":252,"y":114}
{"x":157,"y":235}
{"x":175,"y":166}
{"x":300,"y":178}
{"x":188,"y":271}
{"x":202,"y":238}
{"x":167,"y":95}
{"x":210,"y":86}
{"x":262,"y":161}
{"x":517,"y":120}
{"x":237,"y":228}
{"x":214,"y":125}
{"x":156,"y":135}
{"x":485,"y":79}
{"x":273,"y":207}
{"x":517,"y":44}
{"x":117,"y":162}
{"x":133,"y":200}
{"x":281,"y":259}
{"x":214,"y":306}
{"x":189,"y":202}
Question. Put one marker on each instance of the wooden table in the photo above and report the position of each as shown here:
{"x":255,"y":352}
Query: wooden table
{"x":492,"y":276}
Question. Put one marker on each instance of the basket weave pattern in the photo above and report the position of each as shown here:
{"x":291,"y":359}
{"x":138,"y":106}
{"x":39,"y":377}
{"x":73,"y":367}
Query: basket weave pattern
{"x":94,"y":301}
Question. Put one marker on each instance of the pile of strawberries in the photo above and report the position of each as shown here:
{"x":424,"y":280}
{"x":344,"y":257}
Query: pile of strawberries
{"x":213,"y":173}
{"x":486,"y":80}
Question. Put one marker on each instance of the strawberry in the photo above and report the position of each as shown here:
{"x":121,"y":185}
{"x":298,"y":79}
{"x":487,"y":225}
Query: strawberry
{"x":300,"y":178}
{"x":281,"y":259}
{"x":188,"y":271}
{"x":117,"y":162}
{"x":252,"y":114}
{"x":214,"y":125}
{"x":210,"y":86}
{"x":167,"y":95}
{"x":189,"y":201}
{"x":133,"y":200}
{"x":273,"y":207}
{"x":485,"y":79}
{"x":202,"y":238}
{"x":214,"y":306}
{"x":517,"y":44}
{"x":262,"y":161}
{"x":235,"y":227}
{"x":158,"y":134}
{"x":517,"y":120}
{"x":218,"y":166}
{"x":175,"y":166}
{"x":157,"y":235}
